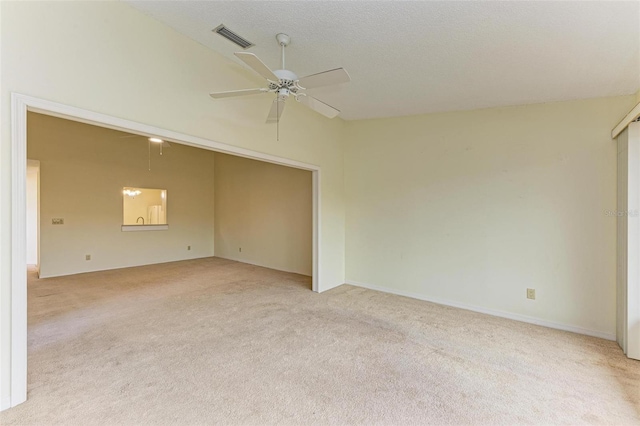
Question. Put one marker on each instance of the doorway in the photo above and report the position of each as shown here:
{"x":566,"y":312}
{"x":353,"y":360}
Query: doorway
{"x":20,"y":105}
{"x":33,"y":215}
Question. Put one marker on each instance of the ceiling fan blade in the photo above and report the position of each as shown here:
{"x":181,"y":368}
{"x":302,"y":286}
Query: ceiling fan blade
{"x":257,"y":65}
{"x":276,"y":111}
{"x":326,"y":78}
{"x":166,"y":144}
{"x":233,"y":93}
{"x":319,"y":106}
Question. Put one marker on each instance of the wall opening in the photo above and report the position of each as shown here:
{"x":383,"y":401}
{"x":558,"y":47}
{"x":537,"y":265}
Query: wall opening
{"x":21,"y":106}
{"x":33,"y":214}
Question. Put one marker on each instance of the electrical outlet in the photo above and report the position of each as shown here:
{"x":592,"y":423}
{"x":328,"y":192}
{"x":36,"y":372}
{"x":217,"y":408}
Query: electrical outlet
{"x":57,"y":221}
{"x":87,"y":257}
{"x":188,"y":247}
{"x":531,"y":293}
{"x":240,"y":249}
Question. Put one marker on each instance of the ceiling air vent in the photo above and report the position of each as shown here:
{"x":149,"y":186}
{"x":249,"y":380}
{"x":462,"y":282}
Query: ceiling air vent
{"x":232,"y":37}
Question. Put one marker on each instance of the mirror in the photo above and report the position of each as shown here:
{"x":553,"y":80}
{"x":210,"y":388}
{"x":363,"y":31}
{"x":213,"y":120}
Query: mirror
{"x":144,"y":206}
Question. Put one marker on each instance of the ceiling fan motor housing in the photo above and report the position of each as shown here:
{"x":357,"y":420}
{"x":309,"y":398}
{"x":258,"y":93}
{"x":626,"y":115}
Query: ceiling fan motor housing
{"x":287,"y":78}
{"x":286,"y":84}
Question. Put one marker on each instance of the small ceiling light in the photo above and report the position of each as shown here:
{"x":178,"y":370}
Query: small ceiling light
{"x":131,"y":192}
{"x":155,"y":140}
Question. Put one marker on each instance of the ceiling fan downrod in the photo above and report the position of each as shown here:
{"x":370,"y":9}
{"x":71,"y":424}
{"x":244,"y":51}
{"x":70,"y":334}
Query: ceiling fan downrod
{"x":283,"y":41}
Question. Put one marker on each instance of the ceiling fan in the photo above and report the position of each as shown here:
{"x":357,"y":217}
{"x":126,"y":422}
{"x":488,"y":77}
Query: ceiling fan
{"x":285,"y":83}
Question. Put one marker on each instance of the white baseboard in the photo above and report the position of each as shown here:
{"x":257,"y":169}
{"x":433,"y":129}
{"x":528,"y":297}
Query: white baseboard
{"x":494,"y":312}
{"x":235,"y":259}
{"x":331,"y":286}
{"x":112,"y":268}
{"x":5,"y":403}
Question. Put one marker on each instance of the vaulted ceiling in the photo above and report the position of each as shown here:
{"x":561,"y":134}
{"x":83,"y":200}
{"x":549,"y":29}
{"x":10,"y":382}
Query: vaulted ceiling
{"x":409,"y":58}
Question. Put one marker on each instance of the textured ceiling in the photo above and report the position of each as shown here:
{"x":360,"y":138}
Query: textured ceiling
{"x":418,"y":57}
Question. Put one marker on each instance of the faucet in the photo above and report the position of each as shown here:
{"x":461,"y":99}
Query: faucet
{"x":140,"y":217}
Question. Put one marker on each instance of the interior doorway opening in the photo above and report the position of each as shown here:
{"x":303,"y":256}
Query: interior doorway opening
{"x":97,"y":185}
{"x":33,"y":215}
{"x":21,"y":105}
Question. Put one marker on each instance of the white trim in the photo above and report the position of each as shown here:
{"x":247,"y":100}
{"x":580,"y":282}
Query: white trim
{"x":494,"y":312}
{"x":5,"y":403}
{"x":102,"y":120}
{"x":18,"y":251}
{"x":632,"y":296}
{"x":633,"y":115}
{"x":134,"y":228}
{"x":112,"y":268}
{"x":20,"y":104}
{"x":315,"y":245}
{"x":236,"y":259}
{"x":622,"y":235}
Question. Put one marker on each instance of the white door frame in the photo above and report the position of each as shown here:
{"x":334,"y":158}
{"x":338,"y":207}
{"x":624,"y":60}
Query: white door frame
{"x":20,"y":104}
{"x":628,"y":262}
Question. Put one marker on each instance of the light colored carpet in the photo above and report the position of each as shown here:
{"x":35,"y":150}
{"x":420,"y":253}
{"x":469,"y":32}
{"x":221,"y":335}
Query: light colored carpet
{"x":213,"y":341}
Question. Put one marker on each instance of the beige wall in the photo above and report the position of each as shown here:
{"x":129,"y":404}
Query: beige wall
{"x":83,"y":169}
{"x":110,"y":58}
{"x":474,"y":207}
{"x":266,"y":211}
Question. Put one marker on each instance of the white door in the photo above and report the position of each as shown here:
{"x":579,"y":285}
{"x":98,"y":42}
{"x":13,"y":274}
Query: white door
{"x":628,"y":264}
